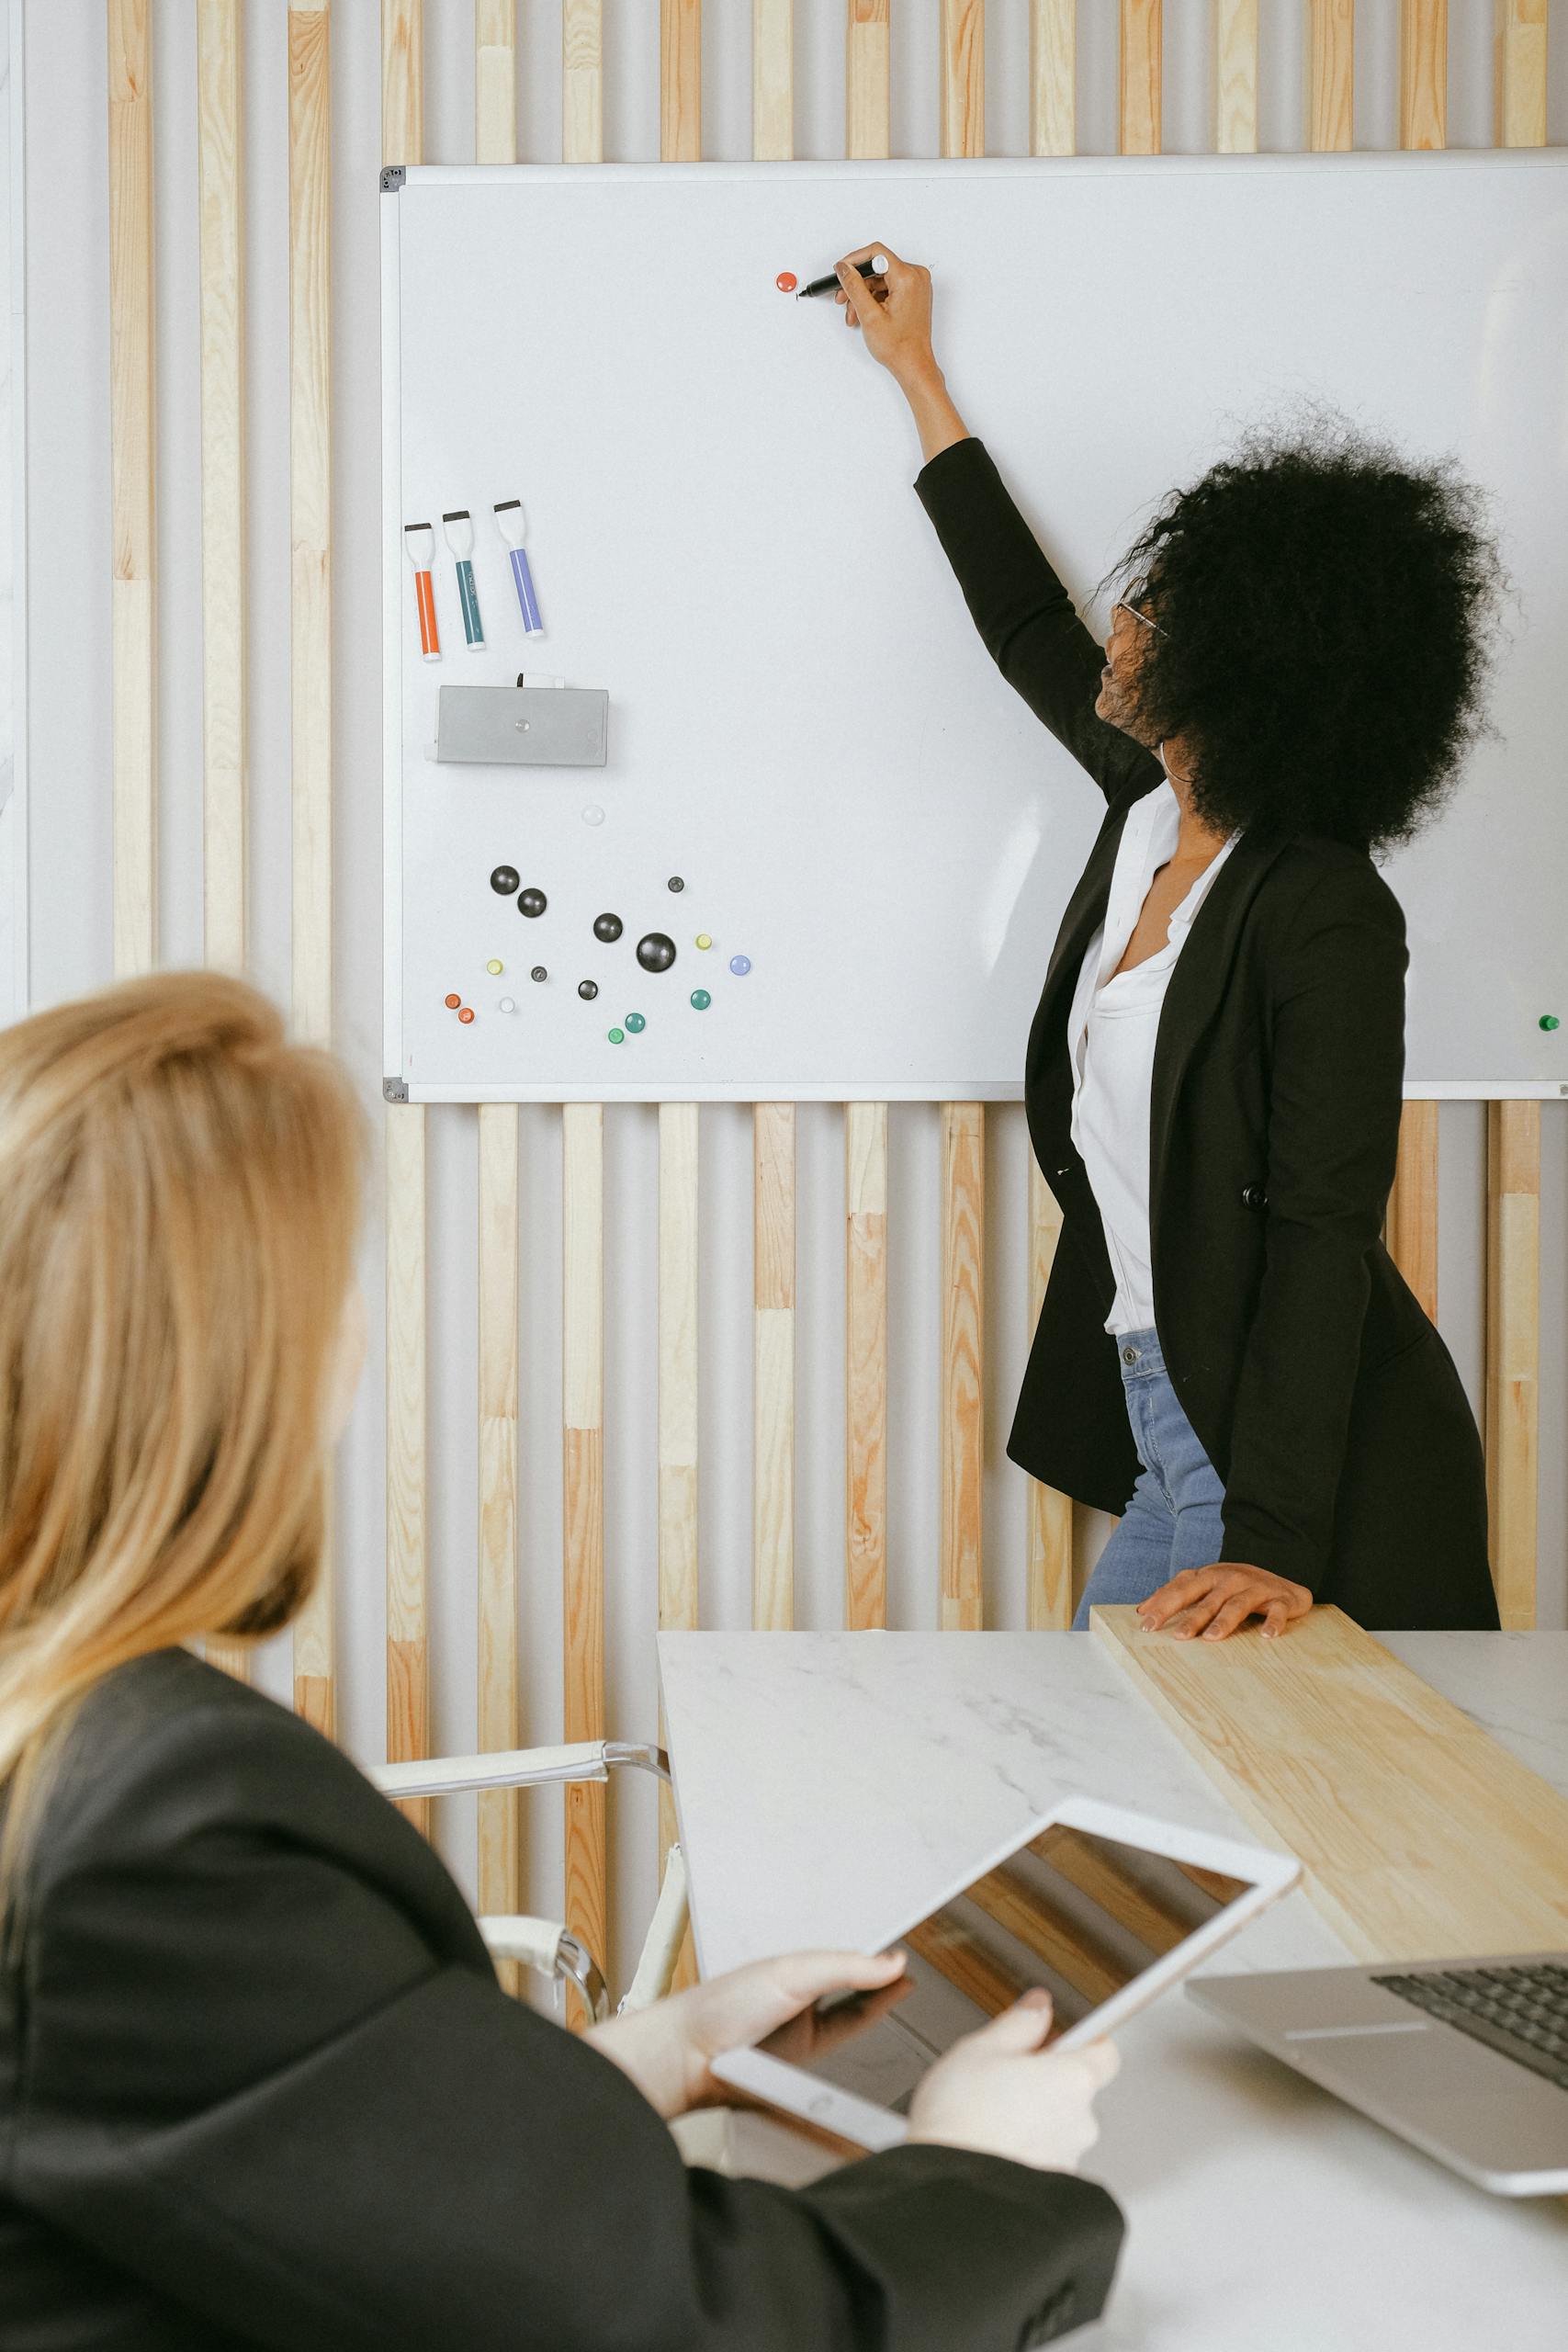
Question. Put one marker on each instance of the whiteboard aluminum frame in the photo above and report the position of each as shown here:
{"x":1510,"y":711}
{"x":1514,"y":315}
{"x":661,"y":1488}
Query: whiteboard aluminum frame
{"x":394,"y":180}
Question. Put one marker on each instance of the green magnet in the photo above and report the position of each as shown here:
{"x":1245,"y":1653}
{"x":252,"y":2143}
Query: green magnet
{"x":617,"y":1036}
{"x":701,"y":998}
{"x":636,"y":1022}
{"x":1550,"y":1021}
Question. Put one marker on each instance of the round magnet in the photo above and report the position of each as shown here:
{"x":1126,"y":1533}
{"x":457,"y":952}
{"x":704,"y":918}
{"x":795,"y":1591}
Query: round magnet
{"x":452,"y":1003}
{"x":701,"y":998}
{"x":532,"y":902}
{"x":504,"y":880}
{"x":655,"y":951}
{"x":617,"y":1036}
{"x":636,"y":1022}
{"x":494,"y":965}
{"x":467,"y":1015}
{"x":588,"y":988}
{"x":741,"y":964}
{"x":606,"y":927}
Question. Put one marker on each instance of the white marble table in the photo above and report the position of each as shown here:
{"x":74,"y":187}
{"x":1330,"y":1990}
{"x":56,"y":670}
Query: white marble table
{"x":826,"y":1783}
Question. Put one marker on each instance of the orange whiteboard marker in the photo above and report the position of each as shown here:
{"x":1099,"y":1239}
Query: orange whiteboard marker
{"x":419,"y":539}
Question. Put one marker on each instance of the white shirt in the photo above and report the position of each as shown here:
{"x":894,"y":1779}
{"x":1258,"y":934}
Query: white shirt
{"x":1111,"y":1032}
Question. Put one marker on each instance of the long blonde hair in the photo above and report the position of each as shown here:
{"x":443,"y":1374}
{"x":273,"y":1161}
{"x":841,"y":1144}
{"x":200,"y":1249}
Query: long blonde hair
{"x":179,"y":1190}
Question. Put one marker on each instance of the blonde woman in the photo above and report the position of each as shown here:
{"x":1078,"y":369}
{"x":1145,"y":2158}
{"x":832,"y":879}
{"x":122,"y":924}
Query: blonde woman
{"x":258,"y":2083}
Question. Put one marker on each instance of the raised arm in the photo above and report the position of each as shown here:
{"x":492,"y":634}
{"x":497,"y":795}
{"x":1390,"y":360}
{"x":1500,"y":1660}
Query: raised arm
{"x":1025,"y":616}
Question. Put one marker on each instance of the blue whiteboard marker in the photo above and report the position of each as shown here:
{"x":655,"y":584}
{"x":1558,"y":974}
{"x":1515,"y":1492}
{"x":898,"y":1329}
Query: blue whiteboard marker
{"x":459,"y":529}
{"x":509,"y":522}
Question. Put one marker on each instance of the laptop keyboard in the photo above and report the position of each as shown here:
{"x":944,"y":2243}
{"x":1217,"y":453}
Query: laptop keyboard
{"x":1521,"y":2011}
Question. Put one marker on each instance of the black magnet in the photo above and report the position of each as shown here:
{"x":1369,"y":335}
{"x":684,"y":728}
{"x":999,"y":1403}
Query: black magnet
{"x":676,"y":883}
{"x":504,"y":880}
{"x":588,"y":988}
{"x":655,"y":952}
{"x":532,"y":902}
{"x":538,"y":973}
{"x":606,"y":927}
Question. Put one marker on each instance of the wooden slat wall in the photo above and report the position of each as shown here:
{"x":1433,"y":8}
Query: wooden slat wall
{"x":130,"y":443}
{"x":1140,"y":78}
{"x":582,"y":1302}
{"x":500,"y":1872}
{"x":1233,"y":40}
{"x":866,"y":78}
{"x":1053,"y":44}
{"x":311,"y":637}
{"x":222,"y":518}
{"x":773,"y":1452}
{"x":408,"y":1659}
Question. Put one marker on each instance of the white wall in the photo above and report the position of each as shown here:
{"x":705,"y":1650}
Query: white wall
{"x":70,"y":742}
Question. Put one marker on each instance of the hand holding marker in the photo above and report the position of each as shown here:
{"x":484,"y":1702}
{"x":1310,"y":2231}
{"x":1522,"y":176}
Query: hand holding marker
{"x":509,"y":522}
{"x":420,"y":541}
{"x":459,"y":529}
{"x":872,"y":266}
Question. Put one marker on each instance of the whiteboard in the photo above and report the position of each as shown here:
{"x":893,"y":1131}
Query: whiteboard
{"x":804,"y":729}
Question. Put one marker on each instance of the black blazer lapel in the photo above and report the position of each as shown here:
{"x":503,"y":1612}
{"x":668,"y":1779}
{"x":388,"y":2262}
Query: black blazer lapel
{"x":1085,"y":910}
{"x":1196,"y":986}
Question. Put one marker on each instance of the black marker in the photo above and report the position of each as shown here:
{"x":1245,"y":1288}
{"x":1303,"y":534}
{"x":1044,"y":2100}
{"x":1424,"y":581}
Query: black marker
{"x":829,"y":285}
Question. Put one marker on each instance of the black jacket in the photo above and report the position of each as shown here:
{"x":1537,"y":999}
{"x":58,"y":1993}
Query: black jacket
{"x":259,"y":2085}
{"x":1318,"y":1388}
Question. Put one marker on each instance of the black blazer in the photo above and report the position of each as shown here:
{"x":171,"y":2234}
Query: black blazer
{"x":1318,"y":1388}
{"x":259,"y":2085}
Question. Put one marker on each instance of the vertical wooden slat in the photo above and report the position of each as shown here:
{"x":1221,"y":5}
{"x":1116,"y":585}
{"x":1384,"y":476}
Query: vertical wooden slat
{"x":582,"y":1498}
{"x":582,"y":81}
{"x":1423,"y":72}
{"x":1513,"y":1351}
{"x":866,"y":79}
{"x":1052,"y":114}
{"x":1050,"y":1530}
{"x":963,"y":39}
{"x":773,"y":81}
{"x":865,"y":1364}
{"x":681,"y":81}
{"x":222,"y":521}
{"x":1140,"y":87}
{"x":222,"y":485}
{"x":678,"y":1259}
{"x":495,"y":81}
{"x":500,"y":1215}
{"x":1519,"y":95}
{"x":1233,"y":34}
{"x":772,"y":1487}
{"x":499,"y":1853}
{"x":408,"y":1665}
{"x":1331,"y":75}
{"x":131,"y":444}
{"x":963,"y":1357}
{"x":310,"y":639}
{"x":1411,"y":1229}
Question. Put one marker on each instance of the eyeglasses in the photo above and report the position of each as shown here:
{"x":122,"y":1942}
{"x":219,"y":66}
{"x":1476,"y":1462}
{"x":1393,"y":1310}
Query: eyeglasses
{"x":1126,"y":605}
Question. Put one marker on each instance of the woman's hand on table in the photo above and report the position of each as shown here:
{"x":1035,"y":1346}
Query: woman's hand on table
{"x":666,"y":2048}
{"x":1213,"y":1602}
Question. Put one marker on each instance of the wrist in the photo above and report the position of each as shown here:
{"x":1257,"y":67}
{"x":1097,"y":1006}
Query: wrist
{"x":920,"y":378}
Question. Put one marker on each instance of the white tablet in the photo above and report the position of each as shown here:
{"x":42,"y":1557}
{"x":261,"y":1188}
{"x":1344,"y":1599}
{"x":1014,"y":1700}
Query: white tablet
{"x":1103,"y":1907}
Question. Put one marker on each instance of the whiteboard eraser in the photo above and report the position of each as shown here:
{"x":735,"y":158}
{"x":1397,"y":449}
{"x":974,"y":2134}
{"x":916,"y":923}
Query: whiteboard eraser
{"x":517,"y":727}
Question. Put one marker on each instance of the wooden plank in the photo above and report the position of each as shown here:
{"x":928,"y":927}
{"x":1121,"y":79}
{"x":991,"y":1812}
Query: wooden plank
{"x":408,"y":1659}
{"x":1518,"y":57}
{"x":772,"y":1477}
{"x":582,"y":81}
{"x":1233,"y":33}
{"x":499,"y":1820}
{"x":1053,"y":77}
{"x":402,"y":80}
{"x":1513,"y":1353}
{"x":773,"y":81}
{"x":222,"y":483}
{"x":495,"y":81}
{"x":1419,"y":1837}
{"x":865,"y":1364}
{"x":865,"y":79}
{"x":963,"y":1387}
{"x":1331,"y":75}
{"x":1138,"y":112}
{"x":1423,"y":72}
{"x":583,"y":1507}
{"x":963,"y":44}
{"x":679,"y":81}
{"x":1050,"y":1529}
{"x":309,"y":639}
{"x":135,"y":783}
{"x":1411,"y":1226}
{"x":679,"y":1239}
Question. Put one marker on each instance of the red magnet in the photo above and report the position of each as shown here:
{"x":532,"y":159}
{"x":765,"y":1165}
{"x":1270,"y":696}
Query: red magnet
{"x":452,"y":1003}
{"x":784,"y":281}
{"x":466,"y":1013}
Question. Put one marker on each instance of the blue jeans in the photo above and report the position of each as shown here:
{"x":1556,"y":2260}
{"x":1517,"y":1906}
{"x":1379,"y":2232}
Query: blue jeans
{"x":1172,"y":1521}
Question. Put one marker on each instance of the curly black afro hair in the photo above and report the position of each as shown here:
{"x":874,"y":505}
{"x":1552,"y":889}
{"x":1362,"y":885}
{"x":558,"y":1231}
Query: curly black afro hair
{"x":1325,"y":608}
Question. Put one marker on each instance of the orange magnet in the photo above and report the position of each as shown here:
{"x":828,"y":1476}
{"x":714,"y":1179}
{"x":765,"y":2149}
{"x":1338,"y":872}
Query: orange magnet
{"x":466,"y":1013}
{"x":452,"y":1003}
{"x":784,"y":281}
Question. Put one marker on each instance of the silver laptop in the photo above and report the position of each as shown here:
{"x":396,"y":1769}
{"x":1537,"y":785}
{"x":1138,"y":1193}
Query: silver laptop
{"x":1467,"y":2059}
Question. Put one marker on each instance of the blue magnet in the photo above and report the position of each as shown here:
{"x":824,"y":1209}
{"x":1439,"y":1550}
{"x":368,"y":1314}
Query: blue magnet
{"x":741,"y":964}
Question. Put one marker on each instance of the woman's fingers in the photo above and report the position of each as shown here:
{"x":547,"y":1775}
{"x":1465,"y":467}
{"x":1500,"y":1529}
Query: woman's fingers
{"x":1172,"y":1598}
{"x":1231,"y":1613}
{"x":1276,"y":1617}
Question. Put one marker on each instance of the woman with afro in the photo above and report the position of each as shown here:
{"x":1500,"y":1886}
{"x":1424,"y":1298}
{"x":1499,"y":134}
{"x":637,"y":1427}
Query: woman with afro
{"x":1226,"y":1354}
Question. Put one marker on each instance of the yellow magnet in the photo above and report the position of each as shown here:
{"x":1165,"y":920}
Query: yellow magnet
{"x":494,"y":964}
{"x":703,"y":939}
